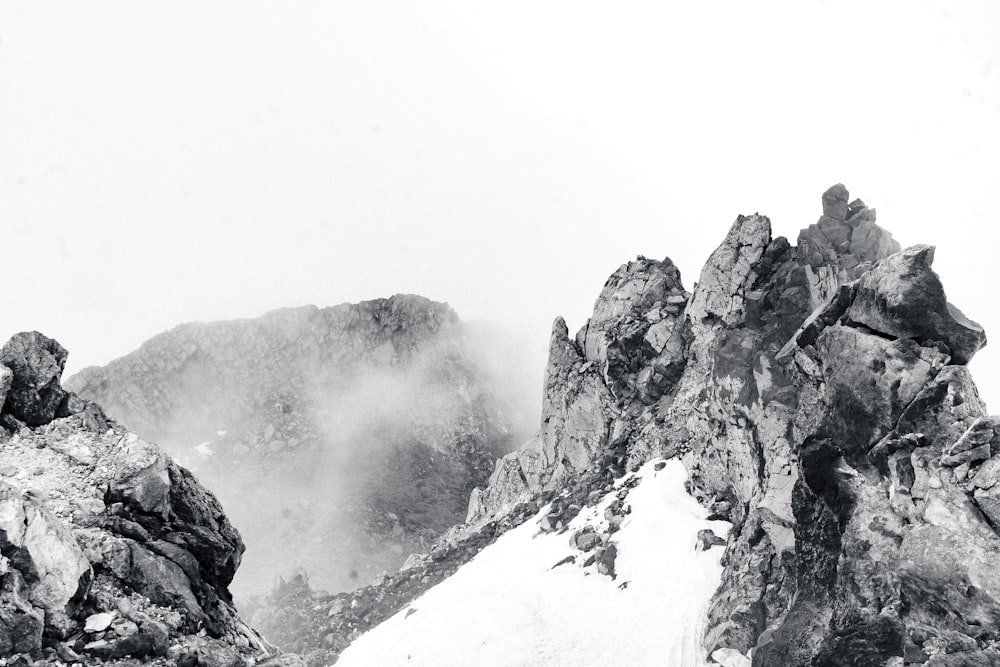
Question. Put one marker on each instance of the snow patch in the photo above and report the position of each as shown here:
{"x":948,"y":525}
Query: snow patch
{"x":509,"y":606}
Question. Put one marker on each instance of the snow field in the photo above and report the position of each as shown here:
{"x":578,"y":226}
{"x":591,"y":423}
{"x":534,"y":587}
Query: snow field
{"x":508,"y":606}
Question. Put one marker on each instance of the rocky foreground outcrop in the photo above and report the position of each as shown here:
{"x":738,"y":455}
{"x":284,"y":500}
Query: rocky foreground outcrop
{"x":108,"y":549}
{"x":819,"y":397}
{"x":354,"y":432}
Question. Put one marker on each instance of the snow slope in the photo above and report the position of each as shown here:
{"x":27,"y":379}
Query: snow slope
{"x":509,"y":606}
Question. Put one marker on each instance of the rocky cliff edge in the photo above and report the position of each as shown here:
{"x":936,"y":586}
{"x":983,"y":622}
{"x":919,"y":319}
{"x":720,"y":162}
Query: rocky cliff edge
{"x":108,"y":549}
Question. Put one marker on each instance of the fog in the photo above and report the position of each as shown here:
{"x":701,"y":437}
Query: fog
{"x":339,"y":441}
{"x":164,"y":163}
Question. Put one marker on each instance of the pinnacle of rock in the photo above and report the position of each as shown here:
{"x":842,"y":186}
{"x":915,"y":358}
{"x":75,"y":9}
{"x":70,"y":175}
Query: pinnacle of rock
{"x":835,"y":202}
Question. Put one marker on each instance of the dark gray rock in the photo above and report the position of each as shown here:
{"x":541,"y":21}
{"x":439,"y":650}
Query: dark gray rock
{"x":708,"y":539}
{"x":902,"y":297}
{"x":37,"y":363}
{"x":835,"y":202}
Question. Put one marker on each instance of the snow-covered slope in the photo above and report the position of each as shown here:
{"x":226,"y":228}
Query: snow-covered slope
{"x":510,"y":606}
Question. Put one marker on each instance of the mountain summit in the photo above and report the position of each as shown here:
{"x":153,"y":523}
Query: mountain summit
{"x":819,"y":399}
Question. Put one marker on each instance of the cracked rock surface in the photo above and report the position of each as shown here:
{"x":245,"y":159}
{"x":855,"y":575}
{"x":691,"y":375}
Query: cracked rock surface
{"x":109,"y":550}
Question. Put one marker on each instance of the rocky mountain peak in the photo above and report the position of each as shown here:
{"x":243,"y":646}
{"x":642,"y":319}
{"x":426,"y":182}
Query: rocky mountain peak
{"x":818,"y":395}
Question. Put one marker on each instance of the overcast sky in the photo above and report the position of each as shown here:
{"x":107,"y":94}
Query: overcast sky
{"x":177,"y":161}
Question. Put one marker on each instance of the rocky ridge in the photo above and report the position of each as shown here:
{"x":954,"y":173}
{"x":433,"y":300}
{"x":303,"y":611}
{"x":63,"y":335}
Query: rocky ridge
{"x":108,"y":549}
{"x":356,"y":432}
{"x":826,"y":409}
{"x":819,"y":397}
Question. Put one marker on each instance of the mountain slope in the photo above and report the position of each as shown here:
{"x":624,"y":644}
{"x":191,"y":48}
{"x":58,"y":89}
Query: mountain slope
{"x":519,"y":602}
{"x":354,"y":432}
{"x":819,"y":399}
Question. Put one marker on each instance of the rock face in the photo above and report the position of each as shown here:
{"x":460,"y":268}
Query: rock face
{"x":820,"y":399}
{"x":355,"y":432}
{"x":108,"y":549}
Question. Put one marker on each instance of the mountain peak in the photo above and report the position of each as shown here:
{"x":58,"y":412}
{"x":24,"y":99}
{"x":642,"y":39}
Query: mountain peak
{"x":820,"y":400}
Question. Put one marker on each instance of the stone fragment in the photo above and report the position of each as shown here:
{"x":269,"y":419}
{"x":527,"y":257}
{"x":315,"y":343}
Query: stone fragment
{"x":606,"y":560}
{"x":587,"y":541}
{"x":707,"y":539}
{"x":99,"y":622}
{"x":21,"y":623}
{"x":727,"y":657}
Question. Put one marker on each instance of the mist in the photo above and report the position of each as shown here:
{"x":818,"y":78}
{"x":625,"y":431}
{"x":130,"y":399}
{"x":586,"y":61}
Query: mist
{"x":338,"y":440}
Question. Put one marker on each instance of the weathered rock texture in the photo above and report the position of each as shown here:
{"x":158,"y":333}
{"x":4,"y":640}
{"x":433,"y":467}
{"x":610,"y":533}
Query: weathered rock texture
{"x":819,"y":396}
{"x":355,"y":433}
{"x":108,"y":549}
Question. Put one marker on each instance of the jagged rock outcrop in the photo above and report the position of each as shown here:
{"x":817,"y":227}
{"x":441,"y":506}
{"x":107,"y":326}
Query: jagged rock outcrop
{"x":845,"y":237}
{"x":824,"y":407}
{"x":624,"y":358}
{"x":354,"y":432}
{"x":108,"y":549}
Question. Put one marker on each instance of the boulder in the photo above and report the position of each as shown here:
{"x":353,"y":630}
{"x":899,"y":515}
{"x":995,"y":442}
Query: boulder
{"x":42,"y":548}
{"x":727,"y":657}
{"x":903,"y":298}
{"x":37,"y":363}
{"x":835,"y":202}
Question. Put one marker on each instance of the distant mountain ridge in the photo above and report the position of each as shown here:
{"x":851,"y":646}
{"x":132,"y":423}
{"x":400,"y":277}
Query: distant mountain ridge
{"x":355,"y":432}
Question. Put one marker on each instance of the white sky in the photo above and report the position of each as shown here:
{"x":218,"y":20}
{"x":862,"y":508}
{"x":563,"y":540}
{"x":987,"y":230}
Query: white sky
{"x":168,"y":162}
